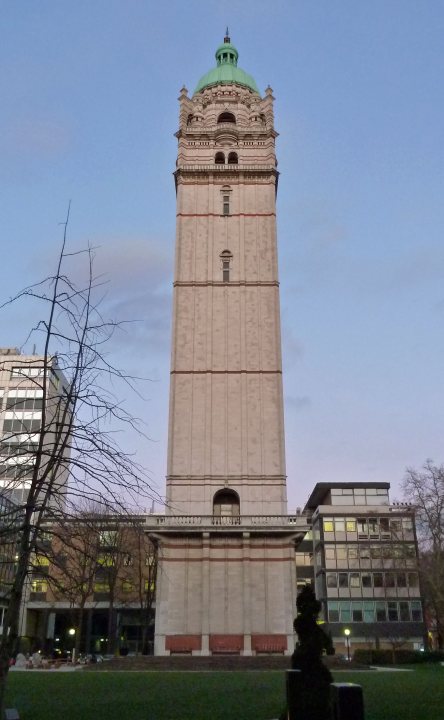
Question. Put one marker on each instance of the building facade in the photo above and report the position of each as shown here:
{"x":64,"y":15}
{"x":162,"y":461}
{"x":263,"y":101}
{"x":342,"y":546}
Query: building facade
{"x":365,"y":566}
{"x":92,"y":586}
{"x":227,"y":579}
{"x":31,"y":404}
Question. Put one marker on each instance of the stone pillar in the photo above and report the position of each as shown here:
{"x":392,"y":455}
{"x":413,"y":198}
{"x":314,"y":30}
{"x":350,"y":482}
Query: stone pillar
{"x":246,"y":593}
{"x":206,"y":609}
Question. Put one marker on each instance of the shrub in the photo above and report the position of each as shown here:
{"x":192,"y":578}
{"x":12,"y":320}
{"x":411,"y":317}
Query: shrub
{"x":402,"y":656}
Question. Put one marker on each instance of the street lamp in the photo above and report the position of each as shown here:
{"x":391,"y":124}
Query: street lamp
{"x":347,"y":640}
{"x":71,"y":631}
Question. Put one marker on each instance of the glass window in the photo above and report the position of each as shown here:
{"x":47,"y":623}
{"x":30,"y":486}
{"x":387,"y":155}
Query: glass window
{"x":369,"y":612}
{"x":343,"y":580}
{"x":328,"y":525}
{"x":384,"y":525}
{"x":387,"y":552}
{"x":340,"y":525}
{"x":373,"y":526}
{"x":351,"y":525}
{"x":108,"y":537}
{"x":362,"y":526}
{"x":24,"y":371}
{"x":409,"y":551}
{"x":366,"y":580}
{"x":226,"y":205}
{"x":375,"y":552}
{"x":407,"y":524}
{"x":389,"y":580}
{"x":364,"y":552}
{"x":105,"y":560}
{"x":381,"y":611}
{"x":359,"y":491}
{"x":413,"y":580}
{"x":357,"y":615}
{"x":353,"y":553}
{"x":341,"y":553}
{"x":149,"y":586}
{"x":127,"y":586}
{"x":329,"y":552}
{"x":404,"y":611}
{"x":392,"y":608}
{"x":226,"y":271}
{"x":333,"y":612}
{"x":401,"y":580}
{"x":355,"y":580}
{"x":101,"y":587}
{"x":416,"y":611}
{"x":42,"y":561}
{"x":332,"y":580}
{"x":378,"y":580}
{"x":345,"y":612}
{"x":39,"y":586}
{"x":396,"y":528}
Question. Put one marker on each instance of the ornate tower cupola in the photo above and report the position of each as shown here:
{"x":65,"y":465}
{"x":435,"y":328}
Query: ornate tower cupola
{"x":226,"y":70}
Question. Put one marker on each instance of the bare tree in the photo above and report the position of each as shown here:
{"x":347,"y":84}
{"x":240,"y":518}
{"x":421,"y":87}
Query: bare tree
{"x":77,"y":446}
{"x":147,"y":569}
{"x":425,"y":489}
{"x":72,"y":558}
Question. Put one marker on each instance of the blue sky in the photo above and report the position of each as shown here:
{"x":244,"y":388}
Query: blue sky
{"x":89,"y":107}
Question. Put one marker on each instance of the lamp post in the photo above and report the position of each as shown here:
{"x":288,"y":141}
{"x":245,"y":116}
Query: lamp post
{"x":347,"y":640}
{"x":71,"y":633}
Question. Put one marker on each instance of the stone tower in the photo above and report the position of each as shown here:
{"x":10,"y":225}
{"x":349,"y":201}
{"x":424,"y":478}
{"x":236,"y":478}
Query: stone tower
{"x":227,"y":572}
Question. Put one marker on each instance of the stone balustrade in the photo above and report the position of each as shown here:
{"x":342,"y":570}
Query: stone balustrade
{"x":285,"y":522}
{"x":234,"y":167}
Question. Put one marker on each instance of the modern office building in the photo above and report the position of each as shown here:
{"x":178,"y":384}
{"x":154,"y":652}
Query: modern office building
{"x":31,"y":403}
{"x":9,"y":523}
{"x":365,"y":565}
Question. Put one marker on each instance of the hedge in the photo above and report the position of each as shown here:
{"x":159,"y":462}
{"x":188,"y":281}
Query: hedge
{"x":402,"y":656}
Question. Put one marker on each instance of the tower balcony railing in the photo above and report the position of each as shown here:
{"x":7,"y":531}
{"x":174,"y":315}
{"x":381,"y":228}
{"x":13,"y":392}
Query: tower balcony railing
{"x":285,"y":522}
{"x":229,"y":167}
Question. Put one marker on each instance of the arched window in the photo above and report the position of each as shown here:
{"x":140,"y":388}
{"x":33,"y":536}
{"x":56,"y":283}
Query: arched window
{"x":219,"y":158}
{"x":226,"y":258}
{"x":232,"y":158}
{"x":226,"y":117}
{"x":226,"y":504}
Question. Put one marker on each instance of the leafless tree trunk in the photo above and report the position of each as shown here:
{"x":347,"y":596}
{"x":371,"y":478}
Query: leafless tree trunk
{"x":148,"y":562}
{"x":425,"y":489}
{"x":77,"y":443}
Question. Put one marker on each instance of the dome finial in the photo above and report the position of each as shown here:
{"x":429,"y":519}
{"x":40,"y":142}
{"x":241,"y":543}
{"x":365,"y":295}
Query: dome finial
{"x":227,"y":36}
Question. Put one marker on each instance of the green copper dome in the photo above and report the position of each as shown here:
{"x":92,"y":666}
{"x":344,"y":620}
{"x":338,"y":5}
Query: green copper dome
{"x":226,"y":70}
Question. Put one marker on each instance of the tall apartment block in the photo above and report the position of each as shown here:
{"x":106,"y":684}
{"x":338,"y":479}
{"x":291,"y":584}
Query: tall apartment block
{"x":27,"y":399}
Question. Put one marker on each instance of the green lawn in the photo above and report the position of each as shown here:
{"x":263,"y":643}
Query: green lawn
{"x":418,"y":695}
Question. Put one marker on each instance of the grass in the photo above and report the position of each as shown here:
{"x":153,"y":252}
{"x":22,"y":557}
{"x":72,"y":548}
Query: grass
{"x":216,"y":695}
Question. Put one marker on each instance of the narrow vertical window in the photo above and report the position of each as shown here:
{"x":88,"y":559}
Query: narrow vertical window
{"x":225,"y":204}
{"x":226,"y":258}
{"x":226,"y":271}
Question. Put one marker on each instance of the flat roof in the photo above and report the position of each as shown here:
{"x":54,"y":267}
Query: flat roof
{"x":321,"y":489}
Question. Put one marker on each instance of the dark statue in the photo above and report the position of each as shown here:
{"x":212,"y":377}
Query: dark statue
{"x":313,"y":696}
